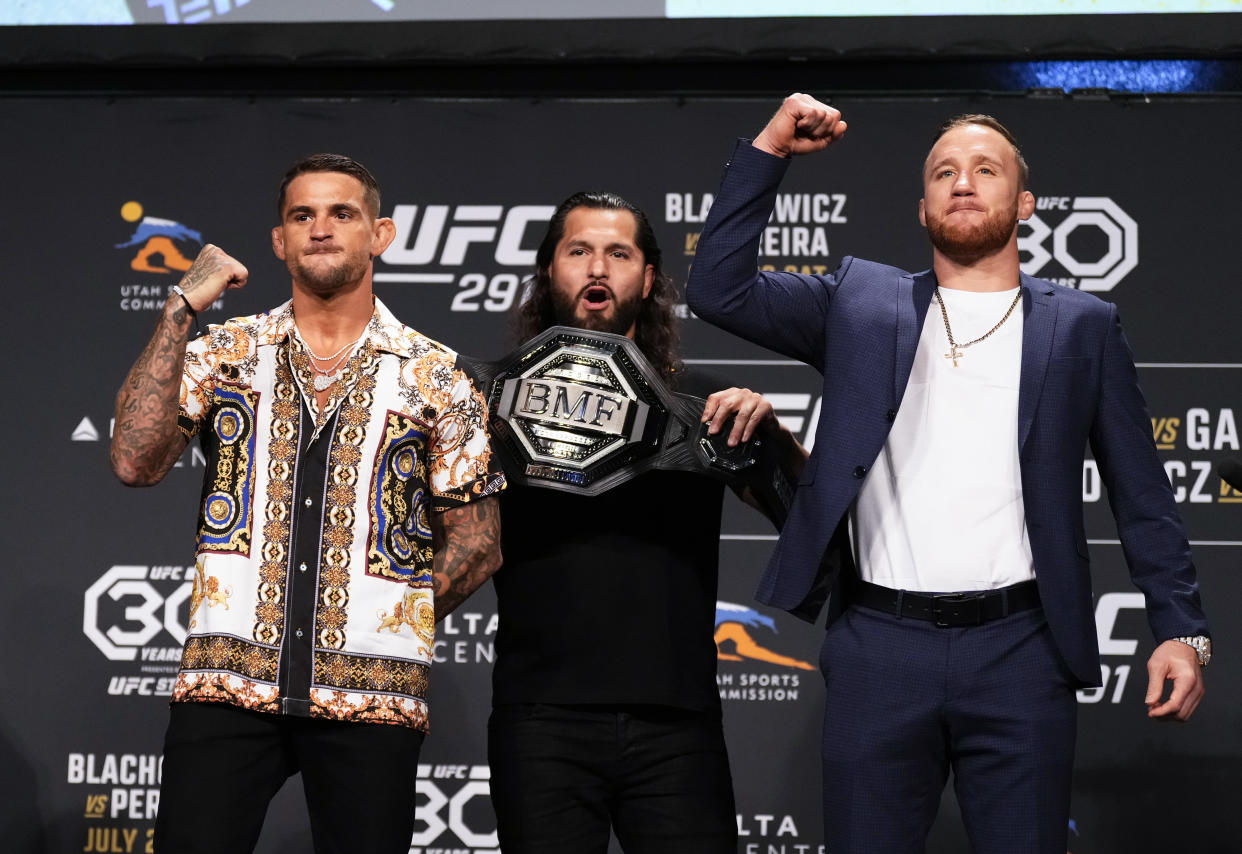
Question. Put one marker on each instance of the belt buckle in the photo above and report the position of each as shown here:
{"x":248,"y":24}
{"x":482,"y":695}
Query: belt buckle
{"x":958,"y":599}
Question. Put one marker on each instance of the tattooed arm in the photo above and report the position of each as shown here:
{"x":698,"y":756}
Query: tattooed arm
{"x":466,"y":540}
{"x":145,"y":441}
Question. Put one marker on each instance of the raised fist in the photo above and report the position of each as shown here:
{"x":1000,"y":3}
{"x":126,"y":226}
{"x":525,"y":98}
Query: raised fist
{"x":212,"y":272}
{"x":800,"y":126}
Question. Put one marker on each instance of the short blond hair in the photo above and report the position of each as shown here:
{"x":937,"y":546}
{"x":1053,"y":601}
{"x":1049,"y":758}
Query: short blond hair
{"x":990,"y":122}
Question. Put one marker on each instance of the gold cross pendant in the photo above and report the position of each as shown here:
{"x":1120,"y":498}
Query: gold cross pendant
{"x":954,"y":353}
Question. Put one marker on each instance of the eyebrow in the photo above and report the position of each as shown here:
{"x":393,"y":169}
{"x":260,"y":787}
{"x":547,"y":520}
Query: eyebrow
{"x":616,"y":244}
{"x":973,"y":160}
{"x":336,"y":208}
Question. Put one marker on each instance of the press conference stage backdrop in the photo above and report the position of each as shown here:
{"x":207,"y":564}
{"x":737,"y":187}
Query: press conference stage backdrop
{"x":108,"y":200}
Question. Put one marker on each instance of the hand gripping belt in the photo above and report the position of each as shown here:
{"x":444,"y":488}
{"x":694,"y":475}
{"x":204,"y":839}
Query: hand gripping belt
{"x":584,"y":411}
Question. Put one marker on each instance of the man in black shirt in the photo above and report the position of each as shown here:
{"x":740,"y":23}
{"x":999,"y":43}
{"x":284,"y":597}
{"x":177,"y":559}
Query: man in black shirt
{"x":605,"y":707}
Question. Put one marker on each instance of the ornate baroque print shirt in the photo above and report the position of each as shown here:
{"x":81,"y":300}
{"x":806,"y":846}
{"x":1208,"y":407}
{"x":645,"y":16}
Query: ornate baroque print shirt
{"x":312,"y":591}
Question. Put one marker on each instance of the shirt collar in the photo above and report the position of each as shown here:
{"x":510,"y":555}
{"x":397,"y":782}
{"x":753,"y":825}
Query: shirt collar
{"x":384,"y":331}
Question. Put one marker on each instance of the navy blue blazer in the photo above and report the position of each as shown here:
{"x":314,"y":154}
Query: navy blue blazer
{"x":859,"y":327}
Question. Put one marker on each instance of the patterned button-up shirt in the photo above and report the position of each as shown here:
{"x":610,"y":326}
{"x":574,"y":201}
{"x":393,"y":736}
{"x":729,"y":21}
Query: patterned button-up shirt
{"x":312,"y":589}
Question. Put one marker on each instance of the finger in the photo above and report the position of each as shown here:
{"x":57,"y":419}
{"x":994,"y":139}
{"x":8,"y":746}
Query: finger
{"x":1193,"y":703}
{"x":1182,"y":686}
{"x":741,"y":424}
{"x":824,"y":120}
{"x":1188,"y":708}
{"x":763,"y":410}
{"x":1172,"y":707}
{"x":709,"y":413}
{"x":1162,"y":711}
{"x":1155,"y":683}
{"x":748,"y":428}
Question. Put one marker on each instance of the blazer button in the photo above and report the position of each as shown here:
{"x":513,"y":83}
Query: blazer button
{"x":891,"y":415}
{"x":860,"y":471}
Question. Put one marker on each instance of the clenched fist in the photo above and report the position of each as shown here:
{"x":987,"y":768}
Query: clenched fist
{"x":801,"y":125}
{"x":212,"y":272}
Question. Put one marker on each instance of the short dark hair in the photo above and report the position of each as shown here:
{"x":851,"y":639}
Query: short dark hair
{"x":332,"y":163}
{"x":984,"y":120}
{"x":655,"y":330}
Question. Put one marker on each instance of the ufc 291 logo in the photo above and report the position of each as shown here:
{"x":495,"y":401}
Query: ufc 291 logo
{"x":1092,"y":240}
{"x":449,"y":237}
{"x":125,"y":610}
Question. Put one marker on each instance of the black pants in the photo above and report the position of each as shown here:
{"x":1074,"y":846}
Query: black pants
{"x":223,"y":765}
{"x":561,"y":775}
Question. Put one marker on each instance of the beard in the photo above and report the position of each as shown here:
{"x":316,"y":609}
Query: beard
{"x":329,"y":278}
{"x":966,"y":243}
{"x":623,"y":317}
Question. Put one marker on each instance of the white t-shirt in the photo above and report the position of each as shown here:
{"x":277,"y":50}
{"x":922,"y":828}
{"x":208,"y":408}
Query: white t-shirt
{"x":941,"y":510}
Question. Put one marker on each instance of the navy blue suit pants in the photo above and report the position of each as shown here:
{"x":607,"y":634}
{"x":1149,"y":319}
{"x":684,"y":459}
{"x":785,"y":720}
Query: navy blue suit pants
{"x":908,"y":701}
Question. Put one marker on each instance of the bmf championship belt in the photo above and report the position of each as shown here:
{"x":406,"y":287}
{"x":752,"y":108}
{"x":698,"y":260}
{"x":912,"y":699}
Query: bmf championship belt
{"x":583,"y":411}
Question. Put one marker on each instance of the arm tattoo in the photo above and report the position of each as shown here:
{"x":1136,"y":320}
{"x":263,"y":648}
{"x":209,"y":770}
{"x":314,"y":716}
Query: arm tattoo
{"x":467,"y":551}
{"x":145,"y":441}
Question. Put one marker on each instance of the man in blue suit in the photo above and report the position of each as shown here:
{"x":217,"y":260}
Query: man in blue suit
{"x":940,"y":514}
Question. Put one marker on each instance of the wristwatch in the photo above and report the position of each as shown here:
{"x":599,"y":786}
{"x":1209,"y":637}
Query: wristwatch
{"x":1202,"y":645}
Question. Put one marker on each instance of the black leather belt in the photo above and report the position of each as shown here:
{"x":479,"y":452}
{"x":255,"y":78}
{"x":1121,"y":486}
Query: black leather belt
{"x":583,"y":411}
{"x":947,"y":609}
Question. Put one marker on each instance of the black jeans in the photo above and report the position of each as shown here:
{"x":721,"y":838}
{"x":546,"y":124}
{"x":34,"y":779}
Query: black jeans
{"x":561,"y":775}
{"x":223,"y":764}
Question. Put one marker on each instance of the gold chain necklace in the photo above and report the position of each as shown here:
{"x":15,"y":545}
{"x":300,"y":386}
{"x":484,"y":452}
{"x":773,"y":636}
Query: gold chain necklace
{"x":955,"y":349}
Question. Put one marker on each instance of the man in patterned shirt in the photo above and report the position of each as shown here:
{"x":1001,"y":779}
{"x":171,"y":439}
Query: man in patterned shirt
{"x":345,"y":509}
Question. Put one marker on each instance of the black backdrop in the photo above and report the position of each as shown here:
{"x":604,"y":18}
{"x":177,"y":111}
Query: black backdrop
{"x":1136,"y":202}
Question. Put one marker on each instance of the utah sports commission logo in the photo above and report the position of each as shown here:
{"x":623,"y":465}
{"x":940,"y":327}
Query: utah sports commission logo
{"x":745,"y":636}
{"x":1083,"y":242}
{"x":160,"y":245}
{"x":159,"y":250}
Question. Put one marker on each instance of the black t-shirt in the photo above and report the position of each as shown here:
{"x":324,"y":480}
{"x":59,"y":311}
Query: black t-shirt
{"x":611,"y":599}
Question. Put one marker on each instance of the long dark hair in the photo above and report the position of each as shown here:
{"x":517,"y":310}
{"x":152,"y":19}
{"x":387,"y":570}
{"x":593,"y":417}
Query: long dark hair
{"x":655,"y":330}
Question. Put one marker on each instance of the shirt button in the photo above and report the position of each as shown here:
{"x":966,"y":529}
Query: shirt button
{"x":302,"y":566}
{"x":891,"y":415}
{"x":298,"y":633}
{"x":860,"y":471}
{"x":307,"y":502}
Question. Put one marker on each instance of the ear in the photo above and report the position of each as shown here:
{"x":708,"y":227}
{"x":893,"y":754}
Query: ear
{"x":648,"y":280}
{"x":278,"y":242}
{"x":1026,"y":205}
{"x":382,"y":234}
{"x":922,"y":215}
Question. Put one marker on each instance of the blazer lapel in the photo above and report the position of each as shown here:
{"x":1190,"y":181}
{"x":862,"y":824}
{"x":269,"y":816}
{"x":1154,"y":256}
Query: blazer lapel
{"x":1039,"y":320}
{"x":914,"y":296}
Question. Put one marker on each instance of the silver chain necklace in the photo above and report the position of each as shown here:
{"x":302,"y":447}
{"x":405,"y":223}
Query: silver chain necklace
{"x":326,"y":377}
{"x":955,"y":349}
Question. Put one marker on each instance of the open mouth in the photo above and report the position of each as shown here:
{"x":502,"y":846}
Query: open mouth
{"x":596,"y":296}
